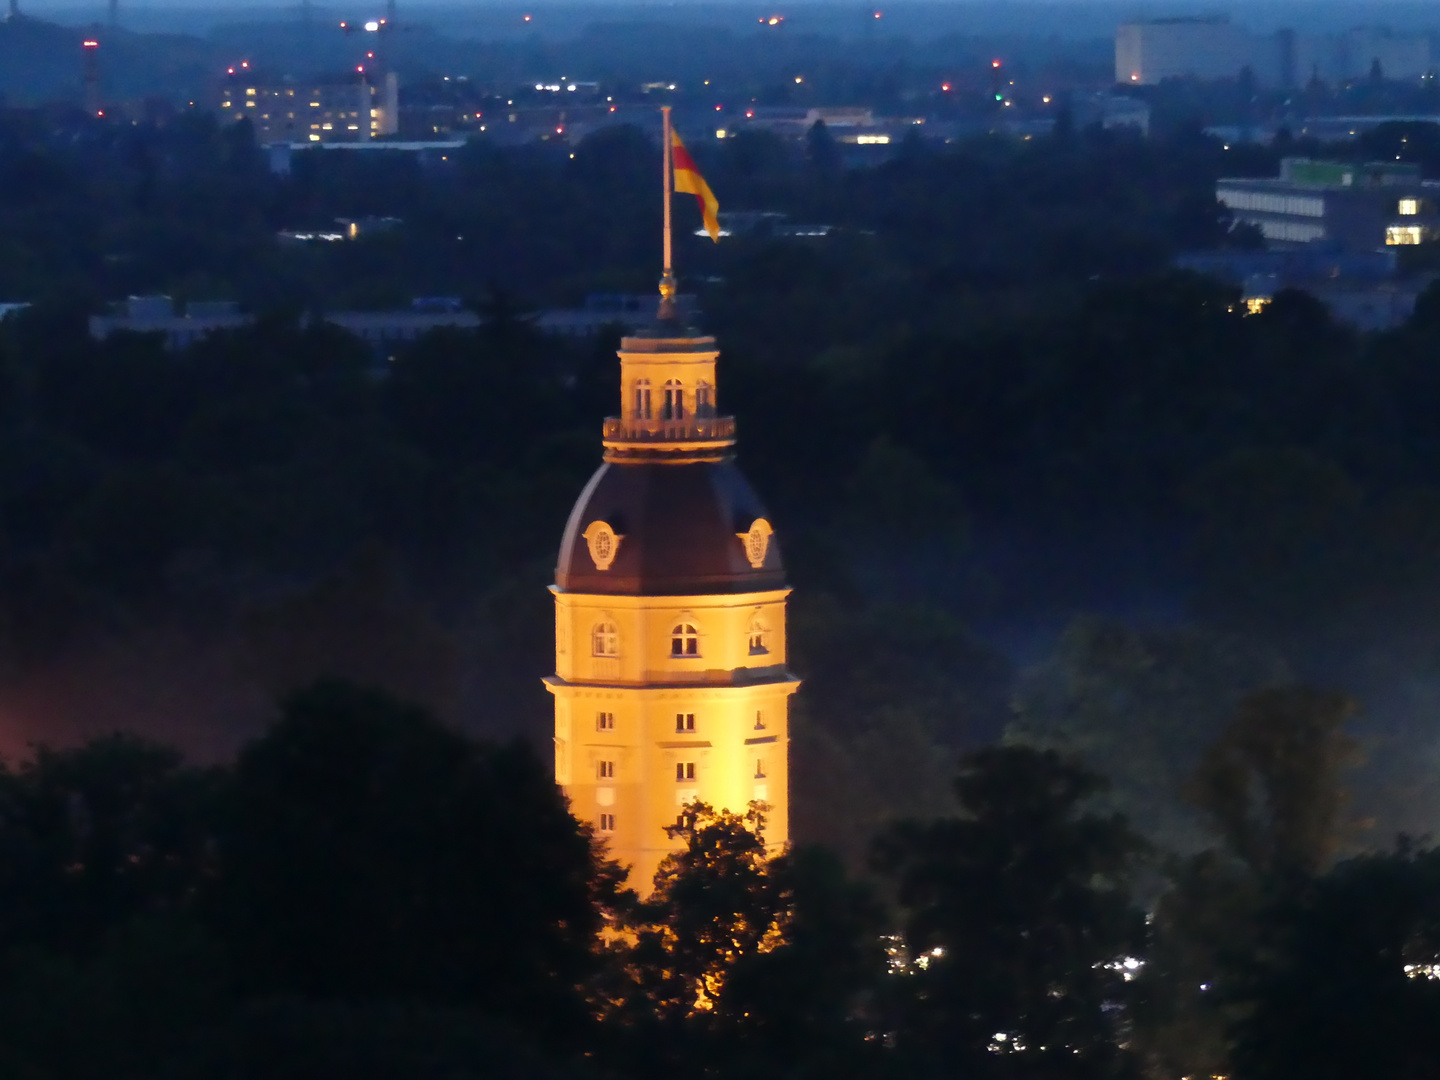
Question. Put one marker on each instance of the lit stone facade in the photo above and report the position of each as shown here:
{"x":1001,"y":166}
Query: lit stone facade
{"x":670,"y":677}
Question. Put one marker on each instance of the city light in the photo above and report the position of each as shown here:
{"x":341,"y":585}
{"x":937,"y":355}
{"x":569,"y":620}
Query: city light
{"x":372,"y":26}
{"x":945,"y":86}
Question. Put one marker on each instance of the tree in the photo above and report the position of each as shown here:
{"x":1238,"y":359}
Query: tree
{"x":1349,"y":986}
{"x":371,"y":853}
{"x":1141,"y":706}
{"x":751,"y":964}
{"x":1271,"y":787}
{"x":1016,"y":919}
{"x":93,"y":837}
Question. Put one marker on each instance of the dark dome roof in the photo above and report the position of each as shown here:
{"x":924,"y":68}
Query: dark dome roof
{"x":678,"y":526}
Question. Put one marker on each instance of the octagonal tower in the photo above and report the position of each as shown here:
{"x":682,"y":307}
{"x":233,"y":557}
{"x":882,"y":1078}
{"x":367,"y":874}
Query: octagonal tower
{"x":670,"y":679}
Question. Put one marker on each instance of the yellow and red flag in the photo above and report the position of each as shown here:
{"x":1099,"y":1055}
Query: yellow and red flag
{"x":688,"y":178}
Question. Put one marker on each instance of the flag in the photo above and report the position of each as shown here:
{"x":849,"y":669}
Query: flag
{"x":688,"y":178}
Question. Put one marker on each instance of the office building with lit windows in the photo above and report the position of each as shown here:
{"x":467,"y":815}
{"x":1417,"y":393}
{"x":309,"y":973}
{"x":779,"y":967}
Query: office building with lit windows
{"x":353,"y":109}
{"x":670,"y":681}
{"x":1342,"y":206}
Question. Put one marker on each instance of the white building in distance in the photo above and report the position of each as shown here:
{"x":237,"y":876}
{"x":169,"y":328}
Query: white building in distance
{"x":1212,"y":47}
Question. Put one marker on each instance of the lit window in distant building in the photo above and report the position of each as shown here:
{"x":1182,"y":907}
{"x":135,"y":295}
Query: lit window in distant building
{"x":1256,"y":304}
{"x":1404,"y":234}
{"x":605,"y":639}
{"x":684,"y":640}
{"x":1409,"y":207}
{"x":684,"y":770}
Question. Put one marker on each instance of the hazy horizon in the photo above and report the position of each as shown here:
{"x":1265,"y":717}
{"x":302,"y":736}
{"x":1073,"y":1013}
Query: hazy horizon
{"x":1066,"y":18}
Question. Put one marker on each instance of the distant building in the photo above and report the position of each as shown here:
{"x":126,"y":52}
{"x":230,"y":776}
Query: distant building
{"x":160,"y":315}
{"x":1111,"y":111}
{"x":349,"y":110}
{"x":1362,"y":289}
{"x":1147,"y":53}
{"x":1341,"y":206}
{"x":383,"y":331}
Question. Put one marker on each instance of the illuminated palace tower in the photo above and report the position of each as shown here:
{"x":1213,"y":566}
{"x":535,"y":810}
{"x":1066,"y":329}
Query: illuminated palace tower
{"x":670,"y":678}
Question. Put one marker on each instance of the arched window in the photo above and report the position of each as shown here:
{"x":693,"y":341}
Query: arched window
{"x":642,"y":399}
{"x":704,"y":406}
{"x":605,"y":639}
{"x":759,"y":635}
{"x":674,"y":408}
{"x":684,"y":640}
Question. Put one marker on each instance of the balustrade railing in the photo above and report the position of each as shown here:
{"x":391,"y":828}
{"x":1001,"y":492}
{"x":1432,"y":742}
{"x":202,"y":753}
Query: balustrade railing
{"x":693,"y":429}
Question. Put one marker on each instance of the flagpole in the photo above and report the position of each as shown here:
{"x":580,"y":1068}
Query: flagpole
{"x":667,"y":279}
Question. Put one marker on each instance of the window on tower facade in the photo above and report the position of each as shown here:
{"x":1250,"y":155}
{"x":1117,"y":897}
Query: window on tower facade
{"x":759,"y":635}
{"x":607,"y":822}
{"x":607,"y":770}
{"x":605,"y":639}
{"x":684,"y":640}
{"x":642,"y":400}
{"x":684,"y":770}
{"x":674,"y":406}
{"x":605,"y":721}
{"x":759,"y":719}
{"x":760,"y":768}
{"x":704,"y":404}
{"x":684,"y":721}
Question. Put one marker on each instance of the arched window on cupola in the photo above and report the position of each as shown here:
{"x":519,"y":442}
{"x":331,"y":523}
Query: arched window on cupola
{"x":605,"y":639}
{"x":674,"y":407}
{"x":704,"y":403}
{"x":684,"y":640}
{"x":759,"y":635}
{"x":642,"y":399}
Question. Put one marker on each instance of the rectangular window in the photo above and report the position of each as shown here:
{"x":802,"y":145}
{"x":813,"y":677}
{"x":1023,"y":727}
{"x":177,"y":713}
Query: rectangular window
{"x":684,"y":770}
{"x":759,"y":768}
{"x":759,"y":720}
{"x":607,"y":822}
{"x":607,"y":770}
{"x":1409,"y":207}
{"x":605,"y":721}
{"x":684,"y":721}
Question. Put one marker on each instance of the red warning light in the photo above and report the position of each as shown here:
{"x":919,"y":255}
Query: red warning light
{"x":994,"y":63}
{"x":244,"y":63}
{"x":360,"y":68}
{"x":945,"y":86}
